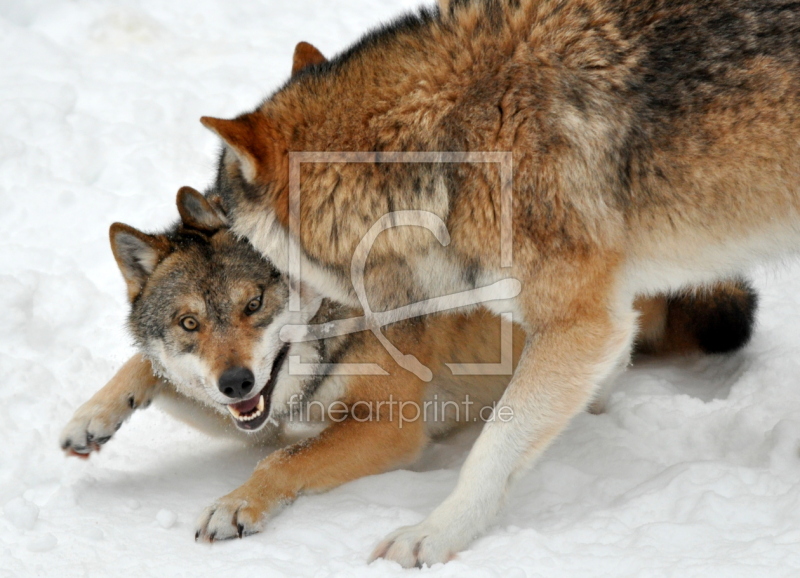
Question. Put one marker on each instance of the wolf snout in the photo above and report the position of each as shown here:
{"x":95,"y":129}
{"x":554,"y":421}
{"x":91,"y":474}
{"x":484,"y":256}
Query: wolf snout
{"x":236,"y":382}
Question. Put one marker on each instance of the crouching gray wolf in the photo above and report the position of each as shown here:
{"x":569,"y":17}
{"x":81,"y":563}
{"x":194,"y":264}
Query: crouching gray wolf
{"x":655,"y":145}
{"x":206,"y":309}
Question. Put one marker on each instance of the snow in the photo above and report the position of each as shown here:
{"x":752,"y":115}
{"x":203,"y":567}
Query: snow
{"x":693,"y":471}
{"x":166,"y":518}
{"x":21,"y":513}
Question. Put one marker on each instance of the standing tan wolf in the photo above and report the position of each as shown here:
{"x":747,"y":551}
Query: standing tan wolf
{"x":655,"y":143}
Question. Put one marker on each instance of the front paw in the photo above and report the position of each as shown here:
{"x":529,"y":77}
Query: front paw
{"x":231,"y":517}
{"x":93,"y":425}
{"x":413,"y":546}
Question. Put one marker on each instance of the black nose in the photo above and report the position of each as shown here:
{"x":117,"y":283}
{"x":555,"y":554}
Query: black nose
{"x":236,"y":382}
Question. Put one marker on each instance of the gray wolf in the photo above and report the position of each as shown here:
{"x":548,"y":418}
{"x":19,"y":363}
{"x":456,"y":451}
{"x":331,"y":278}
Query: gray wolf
{"x":655,"y":144}
{"x":205,"y":309}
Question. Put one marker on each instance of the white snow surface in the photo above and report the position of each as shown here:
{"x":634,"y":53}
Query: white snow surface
{"x":693,"y":471}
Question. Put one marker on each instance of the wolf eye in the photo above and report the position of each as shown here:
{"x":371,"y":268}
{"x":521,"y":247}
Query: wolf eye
{"x":253,"y":306}
{"x":189,"y":323}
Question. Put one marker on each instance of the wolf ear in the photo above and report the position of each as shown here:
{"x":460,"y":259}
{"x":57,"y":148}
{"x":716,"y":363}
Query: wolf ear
{"x":254,"y":140}
{"x":306,"y":55}
{"x":137,"y":255}
{"x":197,"y":212}
{"x":219,"y":206}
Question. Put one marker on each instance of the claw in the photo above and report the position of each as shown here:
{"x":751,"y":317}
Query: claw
{"x":73,"y":453}
{"x":380,"y":551}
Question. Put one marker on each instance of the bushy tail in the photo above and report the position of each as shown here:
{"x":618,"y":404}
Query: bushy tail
{"x":714,"y":319}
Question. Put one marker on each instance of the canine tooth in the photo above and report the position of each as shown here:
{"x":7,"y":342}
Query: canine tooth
{"x":234,"y":412}
{"x":261,"y":403}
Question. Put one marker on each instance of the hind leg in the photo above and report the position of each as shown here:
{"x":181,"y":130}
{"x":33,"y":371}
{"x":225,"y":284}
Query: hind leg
{"x":587,"y":333}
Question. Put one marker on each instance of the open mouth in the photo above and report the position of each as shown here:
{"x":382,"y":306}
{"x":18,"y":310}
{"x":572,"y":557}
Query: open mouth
{"x":250,"y":415}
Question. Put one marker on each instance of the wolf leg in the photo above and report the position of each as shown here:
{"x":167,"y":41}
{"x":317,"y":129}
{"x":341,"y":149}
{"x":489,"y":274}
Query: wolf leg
{"x":564,"y":360}
{"x":343,"y":452}
{"x":133,"y":386}
{"x":606,"y":385}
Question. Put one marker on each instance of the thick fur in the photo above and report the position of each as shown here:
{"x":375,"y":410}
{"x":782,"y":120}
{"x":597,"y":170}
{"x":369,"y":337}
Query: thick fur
{"x":211,"y":275}
{"x":656,"y":145}
{"x":716,"y":319}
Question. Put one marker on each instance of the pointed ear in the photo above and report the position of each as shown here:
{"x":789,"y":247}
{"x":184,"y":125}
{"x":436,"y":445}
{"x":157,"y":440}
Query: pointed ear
{"x":254,"y":140}
{"x":137,"y":255}
{"x":305,"y":55}
{"x":197,"y":213}
{"x":219,"y":207}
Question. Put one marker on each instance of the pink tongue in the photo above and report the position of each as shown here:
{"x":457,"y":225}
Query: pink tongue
{"x":246,"y":406}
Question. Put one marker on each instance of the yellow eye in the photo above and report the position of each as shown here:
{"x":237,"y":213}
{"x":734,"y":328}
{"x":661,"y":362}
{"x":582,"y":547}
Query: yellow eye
{"x":189,"y":323}
{"x":254,"y":305}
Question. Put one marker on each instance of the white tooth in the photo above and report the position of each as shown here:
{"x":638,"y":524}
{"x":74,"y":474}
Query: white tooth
{"x":259,"y":409}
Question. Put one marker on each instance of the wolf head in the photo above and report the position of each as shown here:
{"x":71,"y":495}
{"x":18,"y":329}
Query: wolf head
{"x":207,"y":309}
{"x":316,"y":142}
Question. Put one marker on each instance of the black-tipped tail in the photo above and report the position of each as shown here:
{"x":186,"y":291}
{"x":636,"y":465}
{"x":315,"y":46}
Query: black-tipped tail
{"x":715,"y":319}
{"x":722,"y":318}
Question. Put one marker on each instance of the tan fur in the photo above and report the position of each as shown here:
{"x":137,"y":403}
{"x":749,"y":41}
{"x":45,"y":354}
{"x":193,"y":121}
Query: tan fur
{"x":615,"y":195}
{"x":356,"y":446}
{"x":444,"y":6}
{"x":676,"y":324}
{"x":648,"y":157}
{"x":259,"y":148}
{"x":429,"y":77}
{"x":305,"y":55}
{"x":359,"y":446}
{"x":132,"y":387}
